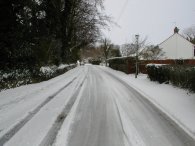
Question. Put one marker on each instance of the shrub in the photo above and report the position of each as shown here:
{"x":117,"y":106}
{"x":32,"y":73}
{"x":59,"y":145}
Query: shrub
{"x":179,"y":75}
{"x":14,"y":78}
{"x":157,"y":72}
{"x":17,"y":77}
{"x":120,"y":63}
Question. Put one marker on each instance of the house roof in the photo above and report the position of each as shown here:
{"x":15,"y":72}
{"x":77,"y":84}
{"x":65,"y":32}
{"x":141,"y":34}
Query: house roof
{"x":178,"y":35}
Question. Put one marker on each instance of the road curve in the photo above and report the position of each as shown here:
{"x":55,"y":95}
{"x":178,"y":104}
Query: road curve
{"x":111,"y":113}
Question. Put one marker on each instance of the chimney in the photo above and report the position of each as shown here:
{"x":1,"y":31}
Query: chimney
{"x":176,"y":30}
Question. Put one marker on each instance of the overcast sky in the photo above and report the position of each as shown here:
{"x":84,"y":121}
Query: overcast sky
{"x":155,"y":19}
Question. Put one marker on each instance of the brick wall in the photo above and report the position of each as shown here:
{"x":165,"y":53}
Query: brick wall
{"x":127,"y":65}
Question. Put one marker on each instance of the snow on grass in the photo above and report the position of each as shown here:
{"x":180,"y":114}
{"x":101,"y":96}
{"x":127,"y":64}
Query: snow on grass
{"x":177,"y":103}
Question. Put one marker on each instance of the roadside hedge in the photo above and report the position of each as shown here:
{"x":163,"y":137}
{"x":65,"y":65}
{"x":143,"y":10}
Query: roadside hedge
{"x":17,"y":77}
{"x":179,"y":75}
{"x":121,"y":64}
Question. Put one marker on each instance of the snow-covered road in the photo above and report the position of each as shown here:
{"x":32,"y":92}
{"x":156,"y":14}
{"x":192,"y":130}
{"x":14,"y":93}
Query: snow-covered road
{"x":87,"y":106}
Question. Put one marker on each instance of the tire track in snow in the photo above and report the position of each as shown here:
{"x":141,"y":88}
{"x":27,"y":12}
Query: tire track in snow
{"x":51,"y":135}
{"x":125,"y":135}
{"x":31,"y":93}
{"x":131,"y":138}
{"x":6,"y":137}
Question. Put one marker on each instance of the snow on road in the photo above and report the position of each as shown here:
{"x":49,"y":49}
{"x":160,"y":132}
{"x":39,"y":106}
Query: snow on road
{"x":173,"y":101}
{"x":111,"y":113}
{"x":17,"y":105}
{"x":87,"y":106}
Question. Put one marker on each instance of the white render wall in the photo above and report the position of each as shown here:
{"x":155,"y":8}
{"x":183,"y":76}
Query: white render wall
{"x":177,"y":47}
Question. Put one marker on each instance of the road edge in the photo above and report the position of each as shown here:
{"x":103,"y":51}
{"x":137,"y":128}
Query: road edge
{"x":161,"y":110}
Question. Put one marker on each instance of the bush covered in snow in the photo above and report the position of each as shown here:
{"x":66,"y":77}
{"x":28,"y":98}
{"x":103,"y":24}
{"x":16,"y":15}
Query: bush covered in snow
{"x":15,"y":78}
{"x":179,"y":75}
{"x":48,"y":72}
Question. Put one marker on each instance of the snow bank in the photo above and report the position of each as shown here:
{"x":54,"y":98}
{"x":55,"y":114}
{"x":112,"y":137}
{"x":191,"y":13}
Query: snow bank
{"x":47,"y":70}
{"x":62,"y":66}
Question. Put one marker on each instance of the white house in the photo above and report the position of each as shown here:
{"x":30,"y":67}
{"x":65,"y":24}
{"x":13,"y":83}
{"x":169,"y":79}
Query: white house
{"x":177,"y":47}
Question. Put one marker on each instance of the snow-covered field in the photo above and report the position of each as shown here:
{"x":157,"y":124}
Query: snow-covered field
{"x":96,"y":106}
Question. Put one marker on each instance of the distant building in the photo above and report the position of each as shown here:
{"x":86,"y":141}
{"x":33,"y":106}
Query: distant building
{"x":177,"y":47}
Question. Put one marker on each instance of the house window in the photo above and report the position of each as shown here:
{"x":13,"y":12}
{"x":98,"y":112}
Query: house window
{"x":194,"y":50}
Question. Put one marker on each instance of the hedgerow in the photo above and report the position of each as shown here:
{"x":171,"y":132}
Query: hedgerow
{"x":121,"y":63}
{"x":17,"y":77}
{"x":179,"y":75}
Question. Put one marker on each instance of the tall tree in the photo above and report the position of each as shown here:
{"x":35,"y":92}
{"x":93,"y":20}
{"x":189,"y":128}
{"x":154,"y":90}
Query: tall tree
{"x":40,"y":32}
{"x":81,"y":25}
{"x":7,"y":25}
{"x":106,"y":47}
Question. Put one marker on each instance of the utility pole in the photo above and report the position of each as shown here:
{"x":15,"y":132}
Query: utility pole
{"x":137,"y":47}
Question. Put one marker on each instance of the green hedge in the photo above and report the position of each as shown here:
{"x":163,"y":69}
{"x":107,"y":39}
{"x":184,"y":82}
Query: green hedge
{"x":118,"y":60}
{"x":179,"y":75}
{"x":120,"y":63}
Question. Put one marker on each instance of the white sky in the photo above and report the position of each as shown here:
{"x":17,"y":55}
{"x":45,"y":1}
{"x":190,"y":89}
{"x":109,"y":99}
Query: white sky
{"x":155,"y":19}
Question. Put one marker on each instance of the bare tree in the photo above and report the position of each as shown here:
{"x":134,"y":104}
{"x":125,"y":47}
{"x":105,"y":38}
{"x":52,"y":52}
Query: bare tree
{"x":130,"y":49}
{"x":91,"y":52}
{"x":106,"y":46}
{"x":83,"y":20}
{"x":189,"y":33}
{"x":152,"y":52}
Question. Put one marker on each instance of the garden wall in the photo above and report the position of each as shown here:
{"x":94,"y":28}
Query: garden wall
{"x":127,"y":64}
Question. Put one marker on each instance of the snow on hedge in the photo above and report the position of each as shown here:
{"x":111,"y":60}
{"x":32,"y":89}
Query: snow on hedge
{"x":153,"y":64}
{"x":50,"y":70}
{"x":46,"y":70}
{"x":18,"y":77}
{"x":63,"y":66}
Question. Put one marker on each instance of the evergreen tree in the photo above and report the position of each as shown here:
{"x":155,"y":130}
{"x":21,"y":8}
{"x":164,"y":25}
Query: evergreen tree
{"x":41,"y":32}
{"x":7,"y":25}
